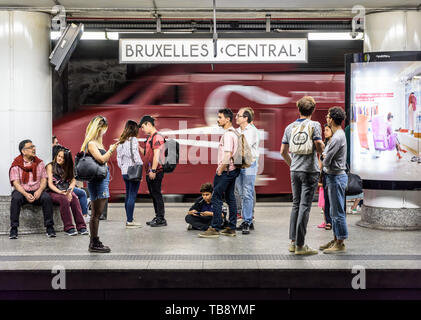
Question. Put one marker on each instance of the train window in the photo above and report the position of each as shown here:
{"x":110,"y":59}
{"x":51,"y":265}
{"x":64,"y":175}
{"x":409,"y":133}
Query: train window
{"x":172,"y":94}
{"x":130,"y":98}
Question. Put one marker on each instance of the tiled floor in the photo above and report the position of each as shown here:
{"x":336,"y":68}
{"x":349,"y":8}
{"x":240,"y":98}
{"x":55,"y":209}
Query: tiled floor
{"x":173,"y":247}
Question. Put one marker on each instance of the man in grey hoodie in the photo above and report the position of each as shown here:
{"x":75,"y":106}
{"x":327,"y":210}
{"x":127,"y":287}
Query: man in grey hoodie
{"x":334,"y":166}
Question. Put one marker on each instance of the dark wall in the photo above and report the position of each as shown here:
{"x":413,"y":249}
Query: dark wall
{"x":93,"y":73}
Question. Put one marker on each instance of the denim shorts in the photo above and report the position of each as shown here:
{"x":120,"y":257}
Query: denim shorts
{"x":99,"y":189}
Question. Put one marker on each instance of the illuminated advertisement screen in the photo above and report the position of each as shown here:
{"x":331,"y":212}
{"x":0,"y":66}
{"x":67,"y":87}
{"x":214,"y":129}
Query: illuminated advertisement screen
{"x":385,"y":117}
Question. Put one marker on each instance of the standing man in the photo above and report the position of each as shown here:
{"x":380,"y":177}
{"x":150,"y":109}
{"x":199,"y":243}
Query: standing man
{"x":154,"y":149}
{"x":247,"y":178}
{"x":29,"y":179}
{"x":303,"y":138}
{"x":224,"y":182}
{"x":334,"y":165}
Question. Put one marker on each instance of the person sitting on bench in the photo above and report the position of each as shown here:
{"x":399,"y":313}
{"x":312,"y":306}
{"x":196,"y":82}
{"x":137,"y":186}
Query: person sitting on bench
{"x":29,"y":179}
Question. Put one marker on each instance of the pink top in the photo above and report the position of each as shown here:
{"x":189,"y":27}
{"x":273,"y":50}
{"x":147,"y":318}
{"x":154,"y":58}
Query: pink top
{"x":413,"y":100}
{"x":16,"y":174}
{"x":228,"y":142}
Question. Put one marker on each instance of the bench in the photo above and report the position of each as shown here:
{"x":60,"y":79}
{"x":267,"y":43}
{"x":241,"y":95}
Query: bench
{"x":31,"y":218}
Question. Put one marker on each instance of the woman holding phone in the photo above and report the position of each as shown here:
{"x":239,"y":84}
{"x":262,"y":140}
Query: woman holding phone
{"x":61,"y":183}
{"x":98,"y":189}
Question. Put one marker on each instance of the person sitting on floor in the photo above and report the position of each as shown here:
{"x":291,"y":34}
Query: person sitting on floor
{"x":61,"y":183}
{"x":200,"y":214}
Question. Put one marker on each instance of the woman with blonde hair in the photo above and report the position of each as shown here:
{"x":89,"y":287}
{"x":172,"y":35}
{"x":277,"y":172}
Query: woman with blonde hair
{"x":128,"y":155}
{"x":98,"y":189}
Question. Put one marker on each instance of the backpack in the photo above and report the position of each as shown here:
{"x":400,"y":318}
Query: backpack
{"x":301,"y":140}
{"x":171,"y":154}
{"x":242,"y":157}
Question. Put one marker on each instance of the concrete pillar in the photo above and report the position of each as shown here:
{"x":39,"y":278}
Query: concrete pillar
{"x":392,"y":209}
{"x":25,"y":87}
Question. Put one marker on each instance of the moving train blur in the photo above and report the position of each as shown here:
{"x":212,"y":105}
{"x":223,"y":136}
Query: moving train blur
{"x":185,"y":101}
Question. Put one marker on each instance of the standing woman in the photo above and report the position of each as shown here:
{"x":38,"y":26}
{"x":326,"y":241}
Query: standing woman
{"x":128,"y":155}
{"x":98,"y":189}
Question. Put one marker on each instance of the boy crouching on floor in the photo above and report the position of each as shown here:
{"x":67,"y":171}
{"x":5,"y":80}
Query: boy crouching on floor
{"x":200,"y":214}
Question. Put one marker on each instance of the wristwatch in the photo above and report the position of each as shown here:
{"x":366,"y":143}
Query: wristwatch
{"x":153,"y":170}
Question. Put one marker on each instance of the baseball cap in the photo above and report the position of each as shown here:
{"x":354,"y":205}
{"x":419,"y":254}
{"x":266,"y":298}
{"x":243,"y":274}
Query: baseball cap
{"x":147,"y":118}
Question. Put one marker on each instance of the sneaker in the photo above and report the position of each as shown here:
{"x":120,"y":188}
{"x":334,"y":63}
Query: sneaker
{"x":327,"y":245}
{"x":158,"y":223}
{"x":13,"y":233}
{"x":335,"y":248}
{"x":228,"y":232}
{"x":189,"y":227}
{"x":152,"y":221}
{"x":246,"y":228}
{"x":83,"y":231}
{"x":71,"y":232}
{"x":291,"y":247}
{"x":241,"y":225}
{"x":305,"y":250}
{"x":210,"y":233}
{"x":97,"y":246}
{"x":354,"y":211}
{"x":322,"y":225}
{"x":133,"y":225}
{"x":50,"y":232}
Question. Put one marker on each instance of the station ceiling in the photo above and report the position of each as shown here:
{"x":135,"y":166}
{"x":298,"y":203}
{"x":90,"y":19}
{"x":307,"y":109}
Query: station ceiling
{"x":203,"y":9}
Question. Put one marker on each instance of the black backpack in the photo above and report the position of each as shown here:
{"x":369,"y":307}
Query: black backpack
{"x":172,"y":154}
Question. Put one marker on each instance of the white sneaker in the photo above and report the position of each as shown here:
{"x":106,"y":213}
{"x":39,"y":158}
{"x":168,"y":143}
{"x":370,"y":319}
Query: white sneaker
{"x":133,"y":225}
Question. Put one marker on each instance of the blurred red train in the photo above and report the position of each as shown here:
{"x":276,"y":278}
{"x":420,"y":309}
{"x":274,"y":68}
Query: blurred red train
{"x":185,"y":103}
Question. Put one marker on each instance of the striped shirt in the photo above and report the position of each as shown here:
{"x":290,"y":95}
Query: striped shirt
{"x":32,"y":185}
{"x":124,"y":155}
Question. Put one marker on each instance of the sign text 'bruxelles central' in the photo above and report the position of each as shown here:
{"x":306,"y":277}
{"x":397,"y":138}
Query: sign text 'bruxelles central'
{"x":269,"y":50}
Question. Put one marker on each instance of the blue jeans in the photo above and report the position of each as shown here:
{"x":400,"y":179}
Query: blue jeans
{"x":224,"y":184}
{"x":245,"y":188}
{"x":132,"y":187}
{"x":336,"y":185}
{"x":304,"y":185}
{"x":83,"y":199}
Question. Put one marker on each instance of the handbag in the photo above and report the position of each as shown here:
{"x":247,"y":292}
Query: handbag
{"x":134,"y":172}
{"x":88,"y":169}
{"x":355,"y":184}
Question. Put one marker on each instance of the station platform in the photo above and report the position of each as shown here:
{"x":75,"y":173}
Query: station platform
{"x":172,"y":263}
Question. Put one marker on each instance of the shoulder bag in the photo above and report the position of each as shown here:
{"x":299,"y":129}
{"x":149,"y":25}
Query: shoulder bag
{"x":134,"y":172}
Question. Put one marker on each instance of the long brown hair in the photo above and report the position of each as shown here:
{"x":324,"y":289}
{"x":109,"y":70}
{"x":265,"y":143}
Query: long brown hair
{"x":66,"y":170}
{"x":130,"y":130}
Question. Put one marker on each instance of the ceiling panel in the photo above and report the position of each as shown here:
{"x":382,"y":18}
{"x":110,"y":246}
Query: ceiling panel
{"x":238,"y":4}
{"x":186,"y":8}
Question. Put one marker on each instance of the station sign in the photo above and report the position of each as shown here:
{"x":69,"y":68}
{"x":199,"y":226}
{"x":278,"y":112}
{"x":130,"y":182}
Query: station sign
{"x":206,"y":50}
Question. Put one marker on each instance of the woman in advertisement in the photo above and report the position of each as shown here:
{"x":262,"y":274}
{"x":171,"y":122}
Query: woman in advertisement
{"x":412,"y":107}
{"x":392,"y":137}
